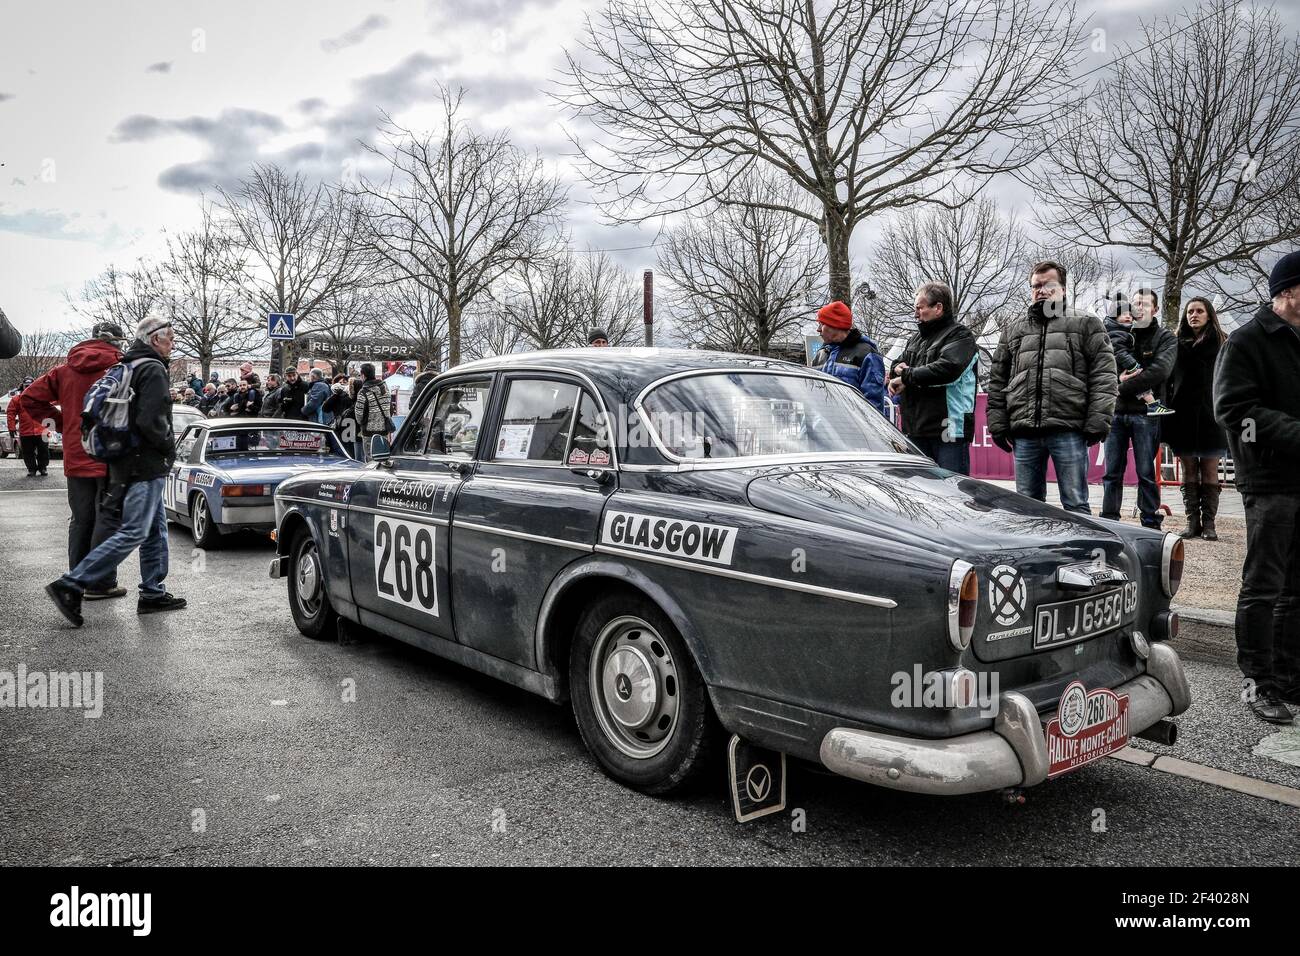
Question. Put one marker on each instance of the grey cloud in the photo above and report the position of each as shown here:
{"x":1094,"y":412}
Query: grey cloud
{"x":412,"y":80}
{"x":45,"y":223}
{"x":6,"y":96}
{"x":162,"y":66}
{"x":311,"y":105}
{"x":232,"y":124}
{"x":356,"y":35}
{"x":495,"y":13}
{"x":17,"y":181}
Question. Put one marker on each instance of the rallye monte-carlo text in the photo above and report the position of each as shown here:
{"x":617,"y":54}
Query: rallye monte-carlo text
{"x":227,"y":470}
{"x":681,"y":543}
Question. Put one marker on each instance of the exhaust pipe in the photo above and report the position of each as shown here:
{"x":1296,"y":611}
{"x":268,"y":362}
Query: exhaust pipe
{"x":1161,"y":732}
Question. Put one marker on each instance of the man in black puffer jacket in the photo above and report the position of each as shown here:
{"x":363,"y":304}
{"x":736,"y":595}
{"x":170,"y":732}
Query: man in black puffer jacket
{"x":1257,"y":400}
{"x":136,"y":481}
{"x":934,"y":381}
{"x":1052,"y":391}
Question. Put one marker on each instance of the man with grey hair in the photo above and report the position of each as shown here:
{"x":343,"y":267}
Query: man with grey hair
{"x":934,"y":381}
{"x":136,"y":480}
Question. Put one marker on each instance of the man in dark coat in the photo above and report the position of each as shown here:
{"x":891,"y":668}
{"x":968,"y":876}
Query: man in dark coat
{"x":934,"y":381}
{"x":137,"y":479}
{"x":1257,"y":400}
{"x":1135,"y":421}
{"x":1052,"y":390}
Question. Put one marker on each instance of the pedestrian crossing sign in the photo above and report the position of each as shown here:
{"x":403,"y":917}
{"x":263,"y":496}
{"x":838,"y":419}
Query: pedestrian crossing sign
{"x":279,"y":325}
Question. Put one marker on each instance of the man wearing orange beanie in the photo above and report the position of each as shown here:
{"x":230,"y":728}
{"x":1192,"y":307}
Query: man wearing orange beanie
{"x":849,"y":355}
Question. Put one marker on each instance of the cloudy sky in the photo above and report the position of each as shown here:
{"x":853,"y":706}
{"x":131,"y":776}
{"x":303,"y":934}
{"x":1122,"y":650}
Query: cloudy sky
{"x":115,"y":115}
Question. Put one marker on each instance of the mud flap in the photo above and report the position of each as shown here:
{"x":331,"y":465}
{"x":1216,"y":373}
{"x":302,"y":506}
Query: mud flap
{"x":757,"y":778}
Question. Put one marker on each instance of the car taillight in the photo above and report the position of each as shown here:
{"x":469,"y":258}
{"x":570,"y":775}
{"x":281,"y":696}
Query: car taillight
{"x":1171,"y":564}
{"x":241,"y":491}
{"x":963,"y":601}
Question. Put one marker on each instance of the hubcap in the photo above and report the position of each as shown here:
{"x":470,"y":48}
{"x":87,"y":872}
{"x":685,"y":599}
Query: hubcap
{"x":634,"y":687}
{"x":200,"y":518}
{"x":309,"y":581}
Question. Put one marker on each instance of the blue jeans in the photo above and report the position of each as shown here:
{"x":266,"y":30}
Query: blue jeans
{"x":1068,"y":451}
{"x":144,"y":526}
{"x":1144,"y":433}
{"x":953,"y":455}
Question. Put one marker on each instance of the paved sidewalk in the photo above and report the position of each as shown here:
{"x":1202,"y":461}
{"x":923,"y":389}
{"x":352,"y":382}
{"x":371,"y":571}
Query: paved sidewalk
{"x":1230,"y":505}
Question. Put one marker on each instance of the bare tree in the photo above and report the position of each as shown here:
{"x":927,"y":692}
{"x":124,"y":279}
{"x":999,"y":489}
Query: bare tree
{"x":606,"y":296}
{"x":973,"y":249}
{"x":42,"y":350}
{"x":298,"y":242}
{"x":198,"y":290}
{"x":1189,"y":150}
{"x":489,"y":330}
{"x":537,"y":298}
{"x":344,"y":318}
{"x":123,"y":297}
{"x":864,"y":105}
{"x":459,"y":208}
{"x":412,"y":313}
{"x":742,"y":270}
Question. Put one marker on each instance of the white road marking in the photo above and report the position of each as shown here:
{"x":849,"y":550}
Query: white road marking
{"x":1211,"y":775}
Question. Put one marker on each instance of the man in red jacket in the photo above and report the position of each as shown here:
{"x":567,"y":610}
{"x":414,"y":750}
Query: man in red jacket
{"x":29,"y":431}
{"x":65,"y":387}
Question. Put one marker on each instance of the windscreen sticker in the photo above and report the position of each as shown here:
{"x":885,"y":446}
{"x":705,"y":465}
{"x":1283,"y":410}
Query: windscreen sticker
{"x":221,"y":443}
{"x":683,"y":539}
{"x":514,"y":441}
{"x":302,"y":441}
{"x":578,"y":457}
{"x":599,"y":457}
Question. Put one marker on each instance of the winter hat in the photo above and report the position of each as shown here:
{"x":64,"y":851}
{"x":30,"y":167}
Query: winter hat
{"x":109,"y":332}
{"x":595,"y":334}
{"x":1285,"y":275}
{"x":148,"y":328}
{"x":836,"y":315}
{"x":246,"y":367}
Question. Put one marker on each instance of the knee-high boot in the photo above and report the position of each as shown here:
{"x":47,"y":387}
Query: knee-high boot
{"x":1192,"y":505}
{"x":1209,"y":510}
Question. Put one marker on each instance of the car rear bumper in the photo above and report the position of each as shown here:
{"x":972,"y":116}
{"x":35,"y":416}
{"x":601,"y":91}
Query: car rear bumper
{"x":1012,"y":754}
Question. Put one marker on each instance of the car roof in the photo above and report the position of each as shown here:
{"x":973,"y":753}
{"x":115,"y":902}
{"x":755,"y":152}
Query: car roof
{"x":230,"y":423}
{"x":624,"y":372}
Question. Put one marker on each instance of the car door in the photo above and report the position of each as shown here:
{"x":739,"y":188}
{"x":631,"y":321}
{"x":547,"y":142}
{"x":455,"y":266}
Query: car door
{"x":176,"y":488}
{"x":398,"y":514}
{"x":531,"y":507}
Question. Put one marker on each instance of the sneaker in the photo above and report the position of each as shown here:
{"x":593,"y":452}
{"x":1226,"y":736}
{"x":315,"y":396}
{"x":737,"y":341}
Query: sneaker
{"x":1268,"y":707}
{"x":1159,"y":408}
{"x":99,"y":594}
{"x":67,"y":599}
{"x":165,"y":603}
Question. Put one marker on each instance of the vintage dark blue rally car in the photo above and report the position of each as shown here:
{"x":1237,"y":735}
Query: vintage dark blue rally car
{"x":227,"y":470}
{"x":686,"y":545}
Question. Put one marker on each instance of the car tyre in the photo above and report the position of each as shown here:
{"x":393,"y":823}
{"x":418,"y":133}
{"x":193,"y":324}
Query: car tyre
{"x":203,"y":529}
{"x":638,"y":698}
{"x":308,"y":600}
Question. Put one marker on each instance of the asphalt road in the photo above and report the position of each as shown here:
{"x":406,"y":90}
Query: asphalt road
{"x":225,"y":738}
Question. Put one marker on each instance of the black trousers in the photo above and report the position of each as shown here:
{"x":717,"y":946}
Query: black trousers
{"x":91,"y":523}
{"x":36,"y":454}
{"x":1268,"y":607}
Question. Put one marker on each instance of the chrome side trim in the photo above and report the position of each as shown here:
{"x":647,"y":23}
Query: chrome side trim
{"x":760,"y":579}
{"x":523,"y":535}
{"x":403,"y":515}
{"x":314,"y":501}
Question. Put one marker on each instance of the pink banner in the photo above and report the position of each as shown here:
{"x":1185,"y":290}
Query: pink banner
{"x":987,"y":460}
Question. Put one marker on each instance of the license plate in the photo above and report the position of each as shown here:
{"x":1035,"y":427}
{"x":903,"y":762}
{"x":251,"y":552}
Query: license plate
{"x":1087,"y":727}
{"x":1068,"y":621}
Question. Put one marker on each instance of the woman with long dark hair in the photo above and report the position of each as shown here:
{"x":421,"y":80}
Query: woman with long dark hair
{"x":1193,"y":434}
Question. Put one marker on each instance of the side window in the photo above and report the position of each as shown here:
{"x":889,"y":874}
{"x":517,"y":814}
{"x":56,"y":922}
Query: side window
{"x":590,"y":442}
{"x":536,"y":423}
{"x":455,"y":419}
{"x":186,"y":445}
{"x":416,"y":434}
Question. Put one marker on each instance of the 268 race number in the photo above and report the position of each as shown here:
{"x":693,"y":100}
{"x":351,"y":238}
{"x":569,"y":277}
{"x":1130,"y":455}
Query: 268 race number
{"x":404,"y":564}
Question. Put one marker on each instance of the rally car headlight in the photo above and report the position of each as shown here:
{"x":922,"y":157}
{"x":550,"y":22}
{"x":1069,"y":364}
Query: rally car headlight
{"x":963,"y":601}
{"x":1171,"y":564}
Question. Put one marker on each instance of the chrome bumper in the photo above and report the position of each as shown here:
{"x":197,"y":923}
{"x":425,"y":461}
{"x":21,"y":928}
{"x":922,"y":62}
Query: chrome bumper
{"x":1012,"y":754}
{"x":280,"y":567}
